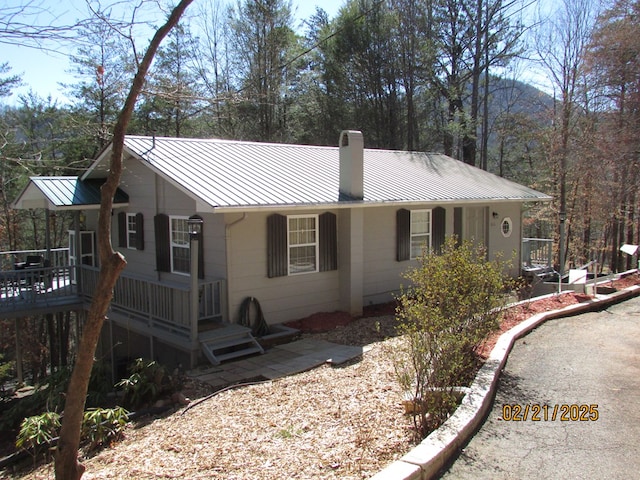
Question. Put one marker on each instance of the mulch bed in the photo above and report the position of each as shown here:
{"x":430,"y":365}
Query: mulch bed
{"x":327,"y":423}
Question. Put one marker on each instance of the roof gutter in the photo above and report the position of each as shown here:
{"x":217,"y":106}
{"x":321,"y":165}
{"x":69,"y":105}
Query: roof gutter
{"x":361,"y":204}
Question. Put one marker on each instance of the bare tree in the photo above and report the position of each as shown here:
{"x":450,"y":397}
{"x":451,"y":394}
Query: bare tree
{"x":112,"y":263}
{"x":561,"y":48}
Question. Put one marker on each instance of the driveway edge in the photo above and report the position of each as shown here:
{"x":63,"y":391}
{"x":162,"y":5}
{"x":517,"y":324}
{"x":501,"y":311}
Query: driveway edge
{"x":425,"y":460}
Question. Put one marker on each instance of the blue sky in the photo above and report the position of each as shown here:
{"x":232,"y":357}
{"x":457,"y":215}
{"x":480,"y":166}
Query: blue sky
{"x":43,"y":71}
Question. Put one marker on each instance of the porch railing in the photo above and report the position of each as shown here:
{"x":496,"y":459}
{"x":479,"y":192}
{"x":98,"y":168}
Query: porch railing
{"x":537,"y":252}
{"x":28,"y":288}
{"x":161,"y":306}
{"x":58,"y":257}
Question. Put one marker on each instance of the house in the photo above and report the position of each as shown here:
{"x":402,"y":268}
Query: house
{"x":300,"y":229}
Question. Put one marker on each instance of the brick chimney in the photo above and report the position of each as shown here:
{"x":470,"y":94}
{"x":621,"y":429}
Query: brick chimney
{"x":351,"y":165}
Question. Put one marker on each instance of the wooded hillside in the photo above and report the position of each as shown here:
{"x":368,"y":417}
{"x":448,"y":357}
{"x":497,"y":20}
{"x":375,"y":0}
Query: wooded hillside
{"x":424,"y":75}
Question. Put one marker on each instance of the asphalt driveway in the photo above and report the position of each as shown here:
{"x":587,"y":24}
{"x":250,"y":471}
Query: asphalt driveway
{"x":581,"y":377}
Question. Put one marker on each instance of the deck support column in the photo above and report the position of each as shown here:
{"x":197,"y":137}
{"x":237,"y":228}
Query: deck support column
{"x":19,"y":370}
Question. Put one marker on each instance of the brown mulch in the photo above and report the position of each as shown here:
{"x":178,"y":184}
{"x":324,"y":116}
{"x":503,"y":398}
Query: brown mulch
{"x":342,"y":422}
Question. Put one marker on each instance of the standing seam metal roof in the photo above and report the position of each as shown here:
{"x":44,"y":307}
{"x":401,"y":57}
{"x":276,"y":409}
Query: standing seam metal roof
{"x":226,"y":173}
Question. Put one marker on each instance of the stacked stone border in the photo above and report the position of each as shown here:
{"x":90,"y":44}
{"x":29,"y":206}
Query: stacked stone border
{"x":428,"y":458}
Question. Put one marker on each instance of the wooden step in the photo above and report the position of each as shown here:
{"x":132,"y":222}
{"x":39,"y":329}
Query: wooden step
{"x":227,"y":342}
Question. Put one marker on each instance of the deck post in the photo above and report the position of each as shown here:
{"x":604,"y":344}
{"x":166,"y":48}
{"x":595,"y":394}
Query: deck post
{"x":19,"y":370}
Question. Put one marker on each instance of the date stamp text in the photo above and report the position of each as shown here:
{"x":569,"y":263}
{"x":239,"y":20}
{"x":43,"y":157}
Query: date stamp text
{"x":565,"y":412}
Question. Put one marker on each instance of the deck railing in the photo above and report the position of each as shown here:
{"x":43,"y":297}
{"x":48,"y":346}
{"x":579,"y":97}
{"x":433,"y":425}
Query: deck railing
{"x":57,"y":257}
{"x":537,"y":252}
{"x":162,"y":307}
{"x":27,"y":288}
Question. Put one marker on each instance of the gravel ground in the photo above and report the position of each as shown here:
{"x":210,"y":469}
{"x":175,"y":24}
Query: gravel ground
{"x":343,"y":422}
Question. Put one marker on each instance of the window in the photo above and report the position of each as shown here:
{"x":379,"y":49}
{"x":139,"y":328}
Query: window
{"x":420,"y":231}
{"x":506,"y":227}
{"x":131,"y":230}
{"x":179,"y":235}
{"x":303,"y":243}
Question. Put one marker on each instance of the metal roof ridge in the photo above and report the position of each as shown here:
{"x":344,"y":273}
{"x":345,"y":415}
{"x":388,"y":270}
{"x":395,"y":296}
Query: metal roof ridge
{"x":227,"y":141}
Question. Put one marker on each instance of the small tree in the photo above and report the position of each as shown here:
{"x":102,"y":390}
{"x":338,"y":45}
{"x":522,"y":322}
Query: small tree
{"x":453,"y":302}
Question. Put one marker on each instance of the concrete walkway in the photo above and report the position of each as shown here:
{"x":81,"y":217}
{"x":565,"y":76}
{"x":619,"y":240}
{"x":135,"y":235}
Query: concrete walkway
{"x":279,"y":361}
{"x":590,"y":359}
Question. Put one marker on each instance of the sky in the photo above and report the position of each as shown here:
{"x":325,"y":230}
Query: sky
{"x":42,"y":71}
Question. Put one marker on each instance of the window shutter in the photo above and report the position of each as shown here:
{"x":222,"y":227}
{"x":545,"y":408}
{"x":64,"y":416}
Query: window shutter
{"x":139,"y":231}
{"x":438,"y":217}
{"x":403,"y":234}
{"x":457,"y":224}
{"x":163,"y":242}
{"x":276,"y":246}
{"x":122,"y":230}
{"x":328,"y":237}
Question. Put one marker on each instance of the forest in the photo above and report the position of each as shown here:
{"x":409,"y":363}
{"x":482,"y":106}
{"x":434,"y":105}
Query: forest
{"x":452,"y":76}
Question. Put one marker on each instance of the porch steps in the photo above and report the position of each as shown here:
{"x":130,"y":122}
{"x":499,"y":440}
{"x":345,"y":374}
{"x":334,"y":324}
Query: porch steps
{"x":228,"y":341}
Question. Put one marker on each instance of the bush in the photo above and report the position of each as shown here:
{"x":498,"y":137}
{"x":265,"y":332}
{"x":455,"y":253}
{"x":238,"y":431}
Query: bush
{"x":37,"y":432}
{"x":100,"y":426}
{"x":46,"y":398}
{"x":453,"y":302}
{"x":148,"y":381}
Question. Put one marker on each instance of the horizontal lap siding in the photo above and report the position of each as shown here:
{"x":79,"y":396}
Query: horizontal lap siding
{"x":382,"y":272}
{"x":281,"y":298}
{"x":169,"y":200}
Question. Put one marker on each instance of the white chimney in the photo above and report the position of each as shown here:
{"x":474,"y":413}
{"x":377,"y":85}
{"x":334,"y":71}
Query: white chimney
{"x":351,"y":165}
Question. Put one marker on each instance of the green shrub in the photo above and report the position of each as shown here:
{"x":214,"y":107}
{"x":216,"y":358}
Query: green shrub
{"x":101,"y":426}
{"x":452,"y":303}
{"x":148,"y":381}
{"x":37,"y":431}
{"x":46,"y":398}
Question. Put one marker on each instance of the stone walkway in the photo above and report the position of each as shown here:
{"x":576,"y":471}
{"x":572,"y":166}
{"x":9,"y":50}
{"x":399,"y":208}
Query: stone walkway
{"x":279,"y":361}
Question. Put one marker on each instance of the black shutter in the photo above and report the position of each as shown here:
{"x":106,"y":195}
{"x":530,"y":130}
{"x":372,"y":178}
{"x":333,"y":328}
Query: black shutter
{"x":438,"y":219}
{"x":122,"y":230}
{"x":328,"y":248}
{"x":277,"y":246}
{"x":163,"y":242}
{"x":139,"y":231}
{"x":457,"y":224}
{"x":403,"y":234}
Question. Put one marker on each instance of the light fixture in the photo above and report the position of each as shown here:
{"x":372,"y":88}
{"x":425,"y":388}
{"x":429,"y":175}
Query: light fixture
{"x":495,"y":214}
{"x":195,"y":225}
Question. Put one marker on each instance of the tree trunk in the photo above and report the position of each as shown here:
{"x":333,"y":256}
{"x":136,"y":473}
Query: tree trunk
{"x":112,"y":263}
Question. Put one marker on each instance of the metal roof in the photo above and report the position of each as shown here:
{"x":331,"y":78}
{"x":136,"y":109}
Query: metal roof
{"x":225,"y":173}
{"x":64,"y":193}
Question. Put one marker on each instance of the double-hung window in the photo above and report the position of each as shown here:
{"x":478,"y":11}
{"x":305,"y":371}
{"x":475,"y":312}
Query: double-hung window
{"x":420,"y":231}
{"x":179,"y":236}
{"x":132,"y":230}
{"x":302,"y":246}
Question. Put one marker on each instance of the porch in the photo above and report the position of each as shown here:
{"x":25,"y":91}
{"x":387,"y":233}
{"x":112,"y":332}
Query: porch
{"x":173,"y":313}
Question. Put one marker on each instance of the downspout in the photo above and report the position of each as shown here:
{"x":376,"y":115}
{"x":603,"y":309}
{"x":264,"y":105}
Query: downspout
{"x":227,"y":245}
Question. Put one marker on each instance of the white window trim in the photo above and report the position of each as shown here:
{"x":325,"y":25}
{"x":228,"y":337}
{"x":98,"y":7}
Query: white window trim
{"x":131,"y":216}
{"x":172,"y":245}
{"x":412,"y":234}
{"x":508,"y":221}
{"x":316,"y":244}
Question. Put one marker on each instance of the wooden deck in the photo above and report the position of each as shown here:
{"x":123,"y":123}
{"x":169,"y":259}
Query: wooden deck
{"x":38,"y":291}
{"x":159,"y":306}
